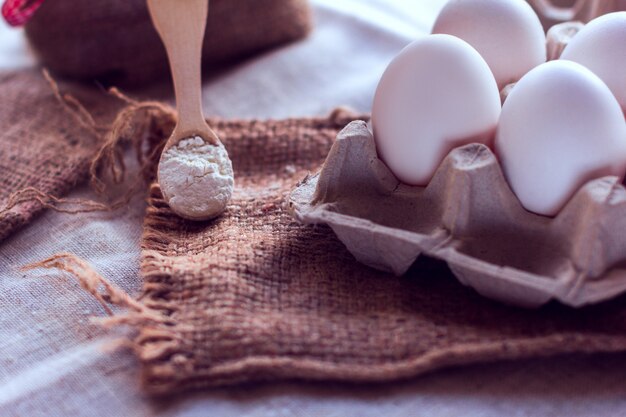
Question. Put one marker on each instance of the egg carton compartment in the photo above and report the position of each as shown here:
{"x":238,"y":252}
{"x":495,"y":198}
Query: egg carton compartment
{"x":469,"y":217}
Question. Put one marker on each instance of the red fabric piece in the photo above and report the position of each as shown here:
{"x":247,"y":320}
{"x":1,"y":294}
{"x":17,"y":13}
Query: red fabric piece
{"x":18,"y":12}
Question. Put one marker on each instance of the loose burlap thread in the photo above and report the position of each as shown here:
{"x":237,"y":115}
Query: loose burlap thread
{"x":255,"y":296}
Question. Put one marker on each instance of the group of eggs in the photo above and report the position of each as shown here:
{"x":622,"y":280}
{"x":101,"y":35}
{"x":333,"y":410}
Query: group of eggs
{"x":562,"y":124}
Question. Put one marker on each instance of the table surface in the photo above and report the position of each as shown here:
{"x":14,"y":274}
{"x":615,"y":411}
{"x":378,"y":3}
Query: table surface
{"x":54,"y":362}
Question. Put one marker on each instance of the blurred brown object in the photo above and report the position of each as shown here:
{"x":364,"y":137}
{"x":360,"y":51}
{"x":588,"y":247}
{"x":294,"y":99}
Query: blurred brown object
{"x":114,"y":42}
{"x":552,"y":12}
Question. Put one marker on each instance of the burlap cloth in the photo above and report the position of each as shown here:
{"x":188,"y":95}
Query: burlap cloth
{"x":44,"y":150}
{"x":255,"y":296}
{"x":114,"y":41}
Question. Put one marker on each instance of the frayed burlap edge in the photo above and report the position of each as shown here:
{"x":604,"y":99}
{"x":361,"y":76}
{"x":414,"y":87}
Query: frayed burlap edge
{"x":164,"y":355}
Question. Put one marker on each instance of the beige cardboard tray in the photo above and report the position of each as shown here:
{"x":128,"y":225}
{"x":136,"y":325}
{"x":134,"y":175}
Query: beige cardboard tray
{"x":469,"y":217}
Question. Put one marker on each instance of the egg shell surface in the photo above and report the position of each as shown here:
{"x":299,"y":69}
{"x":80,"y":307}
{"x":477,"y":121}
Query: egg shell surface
{"x":601,"y":47}
{"x":507,"y":33}
{"x":437,"y":94}
{"x":560,"y":128}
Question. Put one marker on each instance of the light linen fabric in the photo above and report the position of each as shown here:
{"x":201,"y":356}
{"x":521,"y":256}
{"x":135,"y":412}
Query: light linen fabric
{"x":53,"y":360}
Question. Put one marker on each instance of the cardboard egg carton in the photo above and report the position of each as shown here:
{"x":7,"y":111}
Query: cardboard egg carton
{"x":469,"y":217}
{"x":552,"y":12}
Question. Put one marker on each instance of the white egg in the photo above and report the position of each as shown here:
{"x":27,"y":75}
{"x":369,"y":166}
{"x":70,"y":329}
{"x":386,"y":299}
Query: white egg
{"x":437,"y":94}
{"x":507,"y":33}
{"x":601,"y":47}
{"x":560,"y":127}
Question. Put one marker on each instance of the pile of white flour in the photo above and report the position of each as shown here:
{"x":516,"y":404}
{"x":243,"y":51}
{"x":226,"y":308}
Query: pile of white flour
{"x":196,"y":178}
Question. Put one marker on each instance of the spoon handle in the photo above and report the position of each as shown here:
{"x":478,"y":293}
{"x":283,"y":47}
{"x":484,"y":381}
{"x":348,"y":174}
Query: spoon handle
{"x":181,"y":25}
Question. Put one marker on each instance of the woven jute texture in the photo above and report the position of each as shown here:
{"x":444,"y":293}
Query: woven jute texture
{"x":256,"y":296}
{"x":43,"y":148}
{"x":114,"y":41}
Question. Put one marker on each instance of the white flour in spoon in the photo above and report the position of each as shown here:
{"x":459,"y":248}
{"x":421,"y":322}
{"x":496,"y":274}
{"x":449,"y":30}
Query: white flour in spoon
{"x":196,"y":178}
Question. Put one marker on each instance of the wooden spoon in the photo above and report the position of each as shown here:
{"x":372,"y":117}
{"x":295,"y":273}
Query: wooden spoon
{"x":181,"y":25}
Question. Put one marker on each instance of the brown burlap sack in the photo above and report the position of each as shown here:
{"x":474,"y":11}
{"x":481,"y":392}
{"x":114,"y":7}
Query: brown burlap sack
{"x":255,"y":296}
{"x":46,"y":146}
{"x":114,"y":42}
